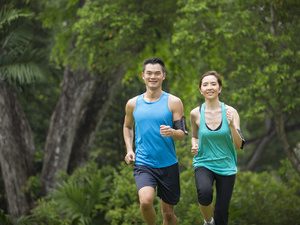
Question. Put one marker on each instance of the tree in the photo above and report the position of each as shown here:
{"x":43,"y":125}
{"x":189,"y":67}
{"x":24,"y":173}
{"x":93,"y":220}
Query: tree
{"x":97,"y":42}
{"x":22,"y":61}
{"x":255,"y":47}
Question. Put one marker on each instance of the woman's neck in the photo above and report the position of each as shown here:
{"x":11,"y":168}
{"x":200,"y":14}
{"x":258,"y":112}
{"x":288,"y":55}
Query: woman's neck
{"x":212,"y":104}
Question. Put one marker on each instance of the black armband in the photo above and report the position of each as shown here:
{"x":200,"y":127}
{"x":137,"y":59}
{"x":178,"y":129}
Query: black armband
{"x":180,"y":125}
{"x":243,"y":139}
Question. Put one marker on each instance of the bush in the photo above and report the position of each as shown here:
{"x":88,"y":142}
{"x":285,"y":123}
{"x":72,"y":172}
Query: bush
{"x":258,"y":199}
{"x":261,"y":199}
{"x":109,"y":196}
{"x":124,"y":204}
{"x":80,"y":199}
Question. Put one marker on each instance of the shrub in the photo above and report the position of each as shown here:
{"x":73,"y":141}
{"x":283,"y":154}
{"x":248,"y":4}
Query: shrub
{"x":80,"y":199}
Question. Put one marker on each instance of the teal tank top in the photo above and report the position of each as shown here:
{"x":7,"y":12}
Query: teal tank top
{"x":152,"y":149}
{"x":216,"y":150}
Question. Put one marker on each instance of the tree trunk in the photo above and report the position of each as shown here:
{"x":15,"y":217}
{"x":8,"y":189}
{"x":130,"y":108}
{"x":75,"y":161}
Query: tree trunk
{"x":77,"y":89}
{"x":261,"y":147}
{"x":16,"y":152}
{"x":92,"y":116}
{"x":291,"y":154}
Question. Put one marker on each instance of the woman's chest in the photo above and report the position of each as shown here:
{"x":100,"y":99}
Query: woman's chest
{"x":213,"y":119}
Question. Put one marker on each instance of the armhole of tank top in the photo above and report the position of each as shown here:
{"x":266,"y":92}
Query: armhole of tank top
{"x":136,"y":103}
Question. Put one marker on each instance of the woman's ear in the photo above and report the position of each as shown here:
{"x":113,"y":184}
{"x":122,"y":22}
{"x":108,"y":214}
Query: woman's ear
{"x":200,"y":91}
{"x":220,"y":89}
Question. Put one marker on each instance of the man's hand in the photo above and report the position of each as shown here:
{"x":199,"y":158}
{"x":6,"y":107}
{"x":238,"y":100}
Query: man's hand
{"x":130,"y":158}
{"x":166,"y":131}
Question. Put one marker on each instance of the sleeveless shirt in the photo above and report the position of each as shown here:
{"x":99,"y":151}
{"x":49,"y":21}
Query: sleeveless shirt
{"x":152,"y":149}
{"x":216,"y":150}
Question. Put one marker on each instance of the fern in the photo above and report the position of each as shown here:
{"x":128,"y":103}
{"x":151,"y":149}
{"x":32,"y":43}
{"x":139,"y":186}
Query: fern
{"x":4,"y":219}
{"x":8,"y":14}
{"x":21,"y":59}
{"x":82,"y":196}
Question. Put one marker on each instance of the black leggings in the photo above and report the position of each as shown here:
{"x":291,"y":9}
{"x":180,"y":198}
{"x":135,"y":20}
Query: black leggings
{"x":224,"y":187}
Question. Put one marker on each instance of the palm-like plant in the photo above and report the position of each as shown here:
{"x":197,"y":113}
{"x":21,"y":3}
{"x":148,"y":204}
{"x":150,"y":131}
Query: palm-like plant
{"x":80,"y":199}
{"x":22,"y":55}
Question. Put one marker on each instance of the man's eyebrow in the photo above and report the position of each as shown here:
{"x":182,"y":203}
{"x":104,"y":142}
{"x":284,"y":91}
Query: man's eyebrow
{"x":148,"y":71}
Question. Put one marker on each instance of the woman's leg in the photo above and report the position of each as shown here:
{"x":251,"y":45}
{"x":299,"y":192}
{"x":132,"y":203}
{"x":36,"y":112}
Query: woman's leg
{"x":204,"y":183}
{"x":224,"y":189}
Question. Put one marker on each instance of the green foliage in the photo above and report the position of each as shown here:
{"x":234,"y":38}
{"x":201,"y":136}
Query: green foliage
{"x":80,"y":199}
{"x":108,"y":196}
{"x":187,"y":211}
{"x":123,"y":204}
{"x":251,"y":44}
{"x":257,"y":198}
{"x":4,"y":219}
{"x":107,"y":33}
{"x":256,"y":194}
{"x":22,"y":58}
{"x":289,"y":177}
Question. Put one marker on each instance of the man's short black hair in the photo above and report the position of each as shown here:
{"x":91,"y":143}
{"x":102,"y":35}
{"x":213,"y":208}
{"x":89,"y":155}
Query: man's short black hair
{"x":154,"y":61}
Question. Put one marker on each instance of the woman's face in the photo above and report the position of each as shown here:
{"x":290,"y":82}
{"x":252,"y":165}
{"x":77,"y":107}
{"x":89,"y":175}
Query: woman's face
{"x":210,"y":87}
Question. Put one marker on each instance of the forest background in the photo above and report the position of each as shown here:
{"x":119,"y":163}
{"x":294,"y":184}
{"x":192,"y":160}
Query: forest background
{"x":68,"y":67}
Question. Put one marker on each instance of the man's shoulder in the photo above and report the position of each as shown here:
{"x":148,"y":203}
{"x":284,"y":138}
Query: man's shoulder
{"x":195,"y":111}
{"x":131,"y":102}
{"x":174,"y":98}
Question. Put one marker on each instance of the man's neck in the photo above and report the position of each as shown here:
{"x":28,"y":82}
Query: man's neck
{"x":152,"y":96}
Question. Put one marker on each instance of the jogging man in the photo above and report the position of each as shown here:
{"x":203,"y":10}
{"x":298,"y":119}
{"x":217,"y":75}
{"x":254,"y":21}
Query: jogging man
{"x":159,"y":120}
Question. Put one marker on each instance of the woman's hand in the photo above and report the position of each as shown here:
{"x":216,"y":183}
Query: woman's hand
{"x":229,"y":115}
{"x":194,"y":150}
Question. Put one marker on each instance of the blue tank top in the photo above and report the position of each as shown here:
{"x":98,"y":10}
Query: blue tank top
{"x":216,"y":150}
{"x":152,"y":149}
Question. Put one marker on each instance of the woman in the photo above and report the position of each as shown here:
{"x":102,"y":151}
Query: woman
{"x":215,"y":138}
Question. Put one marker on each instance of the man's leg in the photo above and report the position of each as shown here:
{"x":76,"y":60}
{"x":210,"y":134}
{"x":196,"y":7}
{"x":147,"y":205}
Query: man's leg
{"x":146,"y":196}
{"x":167,"y":211}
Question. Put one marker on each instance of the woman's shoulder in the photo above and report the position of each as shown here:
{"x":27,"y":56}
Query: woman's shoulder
{"x":230,"y":108}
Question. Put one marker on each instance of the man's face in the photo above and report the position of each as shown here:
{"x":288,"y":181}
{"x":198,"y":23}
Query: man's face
{"x":153,"y":76}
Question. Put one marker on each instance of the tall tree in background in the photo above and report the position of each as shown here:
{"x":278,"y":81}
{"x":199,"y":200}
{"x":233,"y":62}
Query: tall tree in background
{"x":22,"y":60}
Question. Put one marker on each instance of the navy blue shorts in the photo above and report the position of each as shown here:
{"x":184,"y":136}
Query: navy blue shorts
{"x":165,"y":179}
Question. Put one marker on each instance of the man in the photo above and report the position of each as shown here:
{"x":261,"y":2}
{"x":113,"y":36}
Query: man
{"x":159,"y":120}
